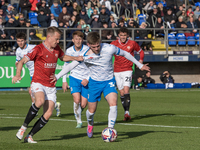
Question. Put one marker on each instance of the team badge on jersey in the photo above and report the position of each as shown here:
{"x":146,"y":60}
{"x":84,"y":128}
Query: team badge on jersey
{"x":46,"y":56}
{"x":56,"y":55}
{"x":128,"y":47}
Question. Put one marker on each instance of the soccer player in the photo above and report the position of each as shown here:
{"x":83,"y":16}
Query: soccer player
{"x":22,"y":50}
{"x":99,"y":60}
{"x":79,"y":77}
{"x":45,"y":56}
{"x":123,"y":68}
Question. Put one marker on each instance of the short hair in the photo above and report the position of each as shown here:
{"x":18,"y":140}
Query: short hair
{"x":93,"y":38}
{"x":78,"y":33}
{"x":52,"y":30}
{"x":123,"y":30}
{"x":21,"y":35}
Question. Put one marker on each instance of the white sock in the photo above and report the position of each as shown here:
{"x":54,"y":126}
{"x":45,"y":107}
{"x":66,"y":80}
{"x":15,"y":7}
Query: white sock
{"x":77,"y":112}
{"x":23,"y":127}
{"x":90,"y":118}
{"x":127,"y":112}
{"x":112,"y":116}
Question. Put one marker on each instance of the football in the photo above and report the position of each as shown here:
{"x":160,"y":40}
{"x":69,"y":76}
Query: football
{"x":109,"y":134}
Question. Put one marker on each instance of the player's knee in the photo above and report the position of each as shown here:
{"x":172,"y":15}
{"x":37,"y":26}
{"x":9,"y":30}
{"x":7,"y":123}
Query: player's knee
{"x":47,"y":115}
{"x":83,"y":105}
{"x":39,"y":103}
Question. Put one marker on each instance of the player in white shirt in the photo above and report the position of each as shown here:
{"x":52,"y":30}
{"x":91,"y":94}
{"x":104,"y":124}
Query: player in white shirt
{"x":99,"y":60}
{"x":21,"y":51}
{"x":79,"y":77}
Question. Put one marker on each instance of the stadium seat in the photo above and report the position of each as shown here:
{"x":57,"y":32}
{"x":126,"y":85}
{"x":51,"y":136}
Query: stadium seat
{"x":172,"y":39}
{"x":141,"y":18}
{"x":197,"y":4}
{"x":181,"y":39}
{"x":32,"y":15}
{"x":191,"y":40}
{"x":197,"y":38}
{"x":164,"y":4}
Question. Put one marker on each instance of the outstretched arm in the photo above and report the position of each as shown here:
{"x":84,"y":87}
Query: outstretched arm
{"x":17,"y":77}
{"x":71,"y":58}
{"x":64,"y":71}
{"x":131,"y":58}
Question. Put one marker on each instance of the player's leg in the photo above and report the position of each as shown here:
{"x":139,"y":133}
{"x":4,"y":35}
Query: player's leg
{"x":39,"y":101}
{"x":77,"y":108}
{"x":30,"y":93}
{"x":42,"y":121}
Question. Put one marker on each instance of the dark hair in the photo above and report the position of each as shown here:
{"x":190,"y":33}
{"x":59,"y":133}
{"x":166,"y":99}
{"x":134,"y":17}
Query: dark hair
{"x":21,"y":35}
{"x":123,"y":30}
{"x":93,"y":38}
{"x":78,"y":33}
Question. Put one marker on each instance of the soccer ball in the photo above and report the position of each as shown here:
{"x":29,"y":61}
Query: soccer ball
{"x":109,"y":134}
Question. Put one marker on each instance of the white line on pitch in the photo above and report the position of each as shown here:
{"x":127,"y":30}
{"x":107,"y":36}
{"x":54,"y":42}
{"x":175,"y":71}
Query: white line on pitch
{"x":127,"y":124}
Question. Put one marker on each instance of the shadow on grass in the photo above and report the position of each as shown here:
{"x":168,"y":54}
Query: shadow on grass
{"x":71,"y":136}
{"x":66,"y":115}
{"x":11,"y":128}
{"x":138,"y":134}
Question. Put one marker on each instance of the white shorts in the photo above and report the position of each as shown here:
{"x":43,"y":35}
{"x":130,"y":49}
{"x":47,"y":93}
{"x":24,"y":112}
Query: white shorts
{"x":123,"y":79}
{"x":49,"y":92}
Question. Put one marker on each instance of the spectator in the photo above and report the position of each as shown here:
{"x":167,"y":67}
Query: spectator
{"x":9,"y":15}
{"x":139,"y":84}
{"x":83,"y":15}
{"x":3,"y":15}
{"x":179,"y":12}
{"x":3,"y":6}
{"x":147,"y":78}
{"x":181,"y":24}
{"x":197,"y":12}
{"x":121,"y":24}
{"x":103,"y":16}
{"x":72,"y":22}
{"x":76,"y":7}
{"x":106,"y":3}
{"x":3,"y":36}
{"x":198,"y":22}
{"x":64,"y":16}
{"x":9,"y":9}
{"x":77,"y":16}
{"x":83,"y":25}
{"x":113,"y":30}
{"x":112,"y":19}
{"x":171,"y":4}
{"x":25,"y":6}
{"x":21,"y":24}
{"x":143,"y":35}
{"x":94,"y":3}
{"x":191,"y":15}
{"x":170,"y":18}
{"x":94,"y":22}
{"x":133,"y":24}
{"x":53,"y":22}
{"x":107,"y":34}
{"x":69,"y":7}
{"x":32,"y":32}
{"x":125,"y":5}
{"x":11,"y":32}
{"x":161,"y":10}
{"x":81,"y":3}
{"x":42,"y":4}
{"x":159,"y":24}
{"x":43,"y":19}
{"x":92,"y":11}
{"x":33,"y":5}
{"x":104,"y":7}
{"x":56,"y":9}
{"x":189,"y":11}
{"x":149,"y":6}
{"x":184,"y":15}
{"x":153,"y":14}
{"x":191,"y":24}
{"x":167,"y":79}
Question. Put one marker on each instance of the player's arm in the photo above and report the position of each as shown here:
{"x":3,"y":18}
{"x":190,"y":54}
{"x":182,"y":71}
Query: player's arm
{"x":84,"y":82}
{"x":131,"y":58}
{"x":64,"y":80}
{"x":17,"y":77}
{"x":71,"y":58}
{"x":64,"y":71}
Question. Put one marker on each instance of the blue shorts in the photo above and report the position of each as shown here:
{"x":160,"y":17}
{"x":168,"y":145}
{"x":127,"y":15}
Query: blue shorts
{"x":77,"y":87}
{"x":96,"y":88}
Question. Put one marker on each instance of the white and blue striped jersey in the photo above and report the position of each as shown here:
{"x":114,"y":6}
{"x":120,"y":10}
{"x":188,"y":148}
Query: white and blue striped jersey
{"x":81,"y":71}
{"x":20,"y":54}
{"x":101,"y":68}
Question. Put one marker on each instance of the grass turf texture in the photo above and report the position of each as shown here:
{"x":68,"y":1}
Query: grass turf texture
{"x":161,"y":120}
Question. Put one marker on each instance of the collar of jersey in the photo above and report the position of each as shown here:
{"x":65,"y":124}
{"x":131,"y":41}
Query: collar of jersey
{"x":75,"y":49}
{"x":122,"y":43}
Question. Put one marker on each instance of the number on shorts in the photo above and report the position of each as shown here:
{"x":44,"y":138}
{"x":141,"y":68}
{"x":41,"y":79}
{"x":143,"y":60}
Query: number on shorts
{"x":128,"y":79}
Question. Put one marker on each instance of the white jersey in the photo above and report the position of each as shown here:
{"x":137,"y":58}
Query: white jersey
{"x":100,"y":65}
{"x":81,"y":71}
{"x":20,"y":54}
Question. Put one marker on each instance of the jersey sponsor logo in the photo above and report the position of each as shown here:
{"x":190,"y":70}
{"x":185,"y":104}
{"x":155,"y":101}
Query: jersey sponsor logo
{"x":37,"y":89}
{"x":50,"y":65}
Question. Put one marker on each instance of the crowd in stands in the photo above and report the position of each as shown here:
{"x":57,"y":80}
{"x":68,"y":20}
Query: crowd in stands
{"x":88,"y":14}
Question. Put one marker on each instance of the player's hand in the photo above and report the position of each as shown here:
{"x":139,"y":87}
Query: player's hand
{"x":84,"y":82}
{"x":79,"y":58}
{"x":53,"y":79}
{"x":16,"y":79}
{"x":64,"y":86}
{"x":141,"y":61}
{"x":145,"y":67}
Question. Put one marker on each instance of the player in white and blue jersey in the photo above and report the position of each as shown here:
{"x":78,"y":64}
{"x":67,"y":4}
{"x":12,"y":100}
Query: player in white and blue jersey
{"x":99,"y":60}
{"x":79,"y":77}
{"x":22,"y":50}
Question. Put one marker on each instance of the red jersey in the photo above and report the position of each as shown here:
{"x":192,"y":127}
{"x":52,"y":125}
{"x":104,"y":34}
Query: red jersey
{"x":121,"y":63}
{"x":45,"y":62}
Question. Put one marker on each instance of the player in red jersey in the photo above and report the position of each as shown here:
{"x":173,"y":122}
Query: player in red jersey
{"x":45,"y":56}
{"x":123,"y":68}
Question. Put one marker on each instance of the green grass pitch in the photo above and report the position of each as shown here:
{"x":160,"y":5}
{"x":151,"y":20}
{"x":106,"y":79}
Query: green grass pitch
{"x":161,"y":120}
